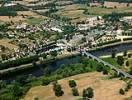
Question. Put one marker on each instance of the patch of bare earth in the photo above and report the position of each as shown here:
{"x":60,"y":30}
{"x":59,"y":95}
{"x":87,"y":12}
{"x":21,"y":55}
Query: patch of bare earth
{"x":104,"y":89}
{"x":6,"y":43}
{"x":20,"y":17}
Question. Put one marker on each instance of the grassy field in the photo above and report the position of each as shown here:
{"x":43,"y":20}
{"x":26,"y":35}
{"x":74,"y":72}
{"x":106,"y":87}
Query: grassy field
{"x":103,"y":89}
{"x":75,"y":11}
{"x":34,"y":21}
{"x":103,"y":11}
{"x":112,"y":61}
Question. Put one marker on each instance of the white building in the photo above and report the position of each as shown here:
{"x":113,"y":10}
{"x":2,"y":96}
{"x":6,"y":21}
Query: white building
{"x":56,"y":29}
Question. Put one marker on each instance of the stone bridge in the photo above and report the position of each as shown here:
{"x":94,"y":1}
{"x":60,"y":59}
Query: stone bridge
{"x":119,"y":71}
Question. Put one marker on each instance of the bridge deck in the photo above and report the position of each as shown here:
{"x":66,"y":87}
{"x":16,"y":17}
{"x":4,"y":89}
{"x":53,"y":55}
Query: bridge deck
{"x":107,"y":64}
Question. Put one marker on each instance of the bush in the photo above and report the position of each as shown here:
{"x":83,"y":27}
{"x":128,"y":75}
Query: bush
{"x":72,"y":83}
{"x":128,"y":87}
{"x":105,"y":71}
{"x":120,"y":60}
{"x":88,"y":93}
{"x":121,"y":91}
{"x":75,"y":92}
{"x":113,"y":54}
{"x":127,"y":63}
{"x":57,"y":89}
{"x":99,"y":68}
{"x":45,"y":81}
{"x":36,"y":98}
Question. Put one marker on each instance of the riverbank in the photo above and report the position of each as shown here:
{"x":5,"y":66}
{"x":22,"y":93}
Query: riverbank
{"x":30,"y":65}
{"x":25,"y":67}
{"x":110,"y":45}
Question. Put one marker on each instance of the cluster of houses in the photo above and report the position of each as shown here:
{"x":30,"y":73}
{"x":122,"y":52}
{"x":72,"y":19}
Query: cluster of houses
{"x":52,"y":25}
{"x":110,"y":4}
{"x":85,"y":34}
{"x":127,"y":19}
{"x":90,"y":22}
{"x":46,"y":25}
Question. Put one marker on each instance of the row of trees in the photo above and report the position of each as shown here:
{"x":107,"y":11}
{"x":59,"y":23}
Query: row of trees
{"x":87,"y":93}
{"x":114,"y":17}
{"x":5,"y":11}
{"x":25,"y":60}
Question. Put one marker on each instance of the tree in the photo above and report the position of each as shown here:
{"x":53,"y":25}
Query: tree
{"x":99,"y":68}
{"x":21,"y":80}
{"x":105,"y":70}
{"x":130,"y":72}
{"x":2,"y":85}
{"x":47,"y":71}
{"x":88,"y":93}
{"x":72,"y":83}
{"x":53,"y":53}
{"x":125,"y":53}
{"x":128,"y":86}
{"x":121,"y":91}
{"x":44,"y":56}
{"x":75,"y":92}
{"x":127,"y":63}
{"x":57,"y":89}
{"x":120,"y":60}
{"x":16,"y":89}
{"x":45,"y":81}
{"x":113,"y":54}
{"x":34,"y":64}
{"x":36,"y":98}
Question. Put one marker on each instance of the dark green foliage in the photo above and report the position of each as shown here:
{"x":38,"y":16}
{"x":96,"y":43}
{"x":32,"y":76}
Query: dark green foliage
{"x":53,"y":53}
{"x":5,"y":11}
{"x":125,"y":39}
{"x":68,"y":29}
{"x":120,"y":60}
{"x":105,"y":70}
{"x":88,"y":93}
{"x":99,"y":68}
{"x":125,"y":53}
{"x":121,"y":91}
{"x":72,"y":83}
{"x":2,"y":85}
{"x":21,"y":80}
{"x":36,"y":98}
{"x":130,"y":71}
{"x":128,"y":87}
{"x":113,"y":54}
{"x":114,"y":17}
{"x":75,"y":92}
{"x":127,"y":63}
{"x":16,"y":90}
{"x":18,"y":62}
{"x":109,"y":42}
{"x":57,"y":89}
{"x":45,"y":81}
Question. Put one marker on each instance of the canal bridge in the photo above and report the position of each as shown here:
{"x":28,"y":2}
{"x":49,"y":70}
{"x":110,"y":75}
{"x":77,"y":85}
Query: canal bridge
{"x":117,"y":70}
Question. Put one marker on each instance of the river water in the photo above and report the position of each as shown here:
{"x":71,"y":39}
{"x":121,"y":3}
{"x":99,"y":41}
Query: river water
{"x":39,"y":71}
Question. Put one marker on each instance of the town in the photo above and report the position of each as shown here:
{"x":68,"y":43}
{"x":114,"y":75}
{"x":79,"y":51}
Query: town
{"x":39,"y":32}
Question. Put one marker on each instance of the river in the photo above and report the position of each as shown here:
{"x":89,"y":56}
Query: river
{"x":39,"y":71}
